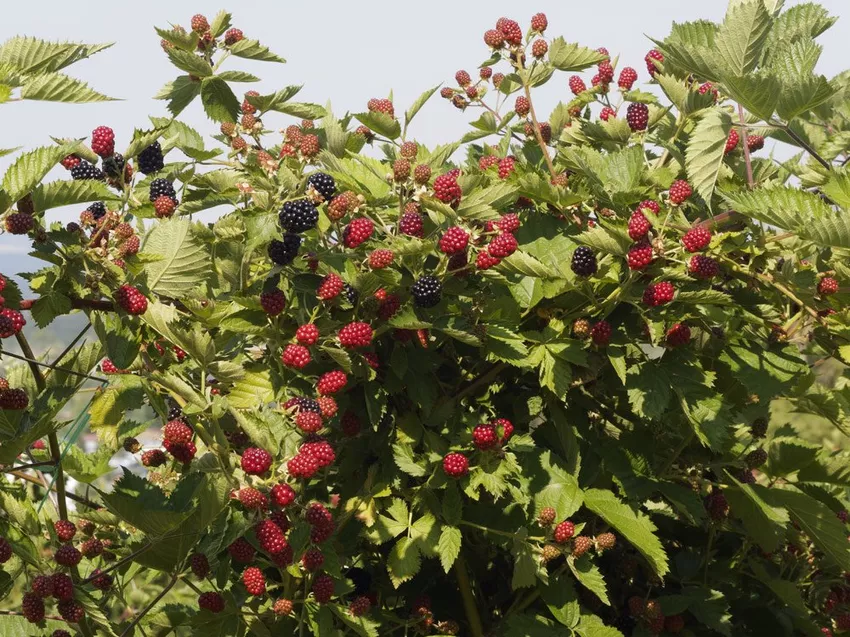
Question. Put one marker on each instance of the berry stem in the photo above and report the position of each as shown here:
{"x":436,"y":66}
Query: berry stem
{"x":72,"y":496}
{"x":680,"y":126}
{"x":32,"y":465}
{"x":147,"y":609}
{"x":534,"y":121}
{"x":803,"y":143}
{"x":37,"y":364}
{"x":487,"y":529}
{"x":472,"y":616}
{"x":746,"y":146}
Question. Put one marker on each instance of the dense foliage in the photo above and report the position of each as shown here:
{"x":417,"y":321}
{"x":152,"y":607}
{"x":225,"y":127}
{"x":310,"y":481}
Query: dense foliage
{"x":524,"y":383}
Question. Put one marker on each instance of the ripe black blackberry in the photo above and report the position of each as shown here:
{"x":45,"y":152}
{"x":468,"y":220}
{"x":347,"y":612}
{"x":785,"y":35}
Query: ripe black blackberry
{"x":584,"y":261}
{"x":150,"y":159}
{"x":427,"y":291}
{"x":162,"y":187}
{"x":323,"y":184}
{"x":352,"y":294}
{"x":114,"y":166}
{"x":97,"y":209}
{"x":298,"y":215}
{"x":284,"y":252}
{"x":174,"y":412}
{"x":85,"y":170}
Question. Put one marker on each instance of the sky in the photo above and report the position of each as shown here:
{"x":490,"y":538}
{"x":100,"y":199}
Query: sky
{"x":340,"y":50}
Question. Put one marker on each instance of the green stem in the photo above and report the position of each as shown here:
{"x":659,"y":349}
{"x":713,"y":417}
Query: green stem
{"x":469,"y":606}
{"x":680,"y":126}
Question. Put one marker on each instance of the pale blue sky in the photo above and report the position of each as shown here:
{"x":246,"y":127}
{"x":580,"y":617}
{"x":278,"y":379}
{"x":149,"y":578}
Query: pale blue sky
{"x":340,"y":50}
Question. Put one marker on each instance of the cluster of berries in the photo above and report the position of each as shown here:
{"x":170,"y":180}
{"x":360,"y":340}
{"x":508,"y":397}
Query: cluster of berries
{"x":485,"y":437}
{"x":298,"y":216}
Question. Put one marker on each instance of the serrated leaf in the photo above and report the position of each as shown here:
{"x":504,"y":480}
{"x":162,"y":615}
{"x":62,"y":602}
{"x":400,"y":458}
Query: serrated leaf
{"x":648,"y":390}
{"x":220,"y":104}
{"x":589,"y":576}
{"x":404,"y":460}
{"x":404,"y":561}
{"x":523,"y":263}
{"x":254,"y":388}
{"x":238,"y":76}
{"x":58,"y":87}
{"x":593,"y":626}
{"x":56,"y":194}
{"x":187,"y":41}
{"x":562,"y":493}
{"x":759,"y":94}
{"x":184,"y":260}
{"x":525,"y":565}
{"x":410,"y":113}
{"x":31,"y":55}
{"x":220,"y":23}
{"x":49,"y":306}
{"x":449,"y":546}
{"x":179,"y":93}
{"x":30,"y":168}
{"x":253,"y":50}
{"x":741,"y":36}
{"x":802,"y":95}
{"x":189,"y":62}
{"x":380,"y":123}
{"x":765,"y":523}
{"x":606,"y":240}
{"x":572,"y":57}
{"x":562,"y":601}
{"x":705,"y":151}
{"x":634,"y":526}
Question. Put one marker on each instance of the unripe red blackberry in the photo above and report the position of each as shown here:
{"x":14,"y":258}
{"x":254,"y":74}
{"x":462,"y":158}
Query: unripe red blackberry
{"x":484,"y":436}
{"x":154,"y":458}
{"x":409,"y":150}
{"x":497,"y":79}
{"x":564,"y":531}
{"x":502,"y":245}
{"x":381,"y":105}
{"x":256,"y":461}
{"x":455,"y":239}
{"x":103,"y":141}
{"x":232,"y":36}
{"x":282,"y":607}
{"x":199,"y":23}
{"x":359,"y":606}
{"x":91,"y":548}
{"x":639,"y":226}
{"x":756,"y":458}
{"x":200,"y":565}
{"x":296,"y":356}
{"x":273,"y":301}
{"x":583,"y":262}
{"x":241,"y":551}
{"x":657,"y":294}
{"x":674,"y":624}
{"x":69,"y":161}
{"x":539,"y":48}
{"x":254,"y":581}
{"x":455,"y":465}
{"x":651,"y":58}
{"x":637,"y":115}
{"x":680,"y":191}
{"x":270,"y":536}
{"x":309,"y":146}
{"x":755,"y":142}
{"x":183,"y":452}
{"x":323,"y":588}
{"x":5,"y":550}
{"x":446,"y":188}
{"x":577,"y":85}
{"x":607,"y":113}
{"x":331,"y":382}
{"x":252,"y":498}
{"x":330,"y":287}
{"x":177,"y":431}
{"x":312,"y":560}
{"x":827,"y":286}
{"x":131,"y":300}
{"x":401,"y":169}
{"x":101,"y":581}
{"x":627,"y":78}
{"x":357,"y":231}
{"x":447,"y":93}
{"x":494,"y":39}
{"x":484,"y":260}
{"x":581,"y":328}
{"x":67,"y":555}
{"x":32,"y":608}
{"x":596,"y":80}
{"x":506,"y":167}
{"x":282,"y":494}
{"x":696,"y":239}
{"x":732,"y":141}
{"x":581,"y":545}
{"x":546,"y":516}
{"x":308,"y":421}
{"x":600,"y":333}
{"x":71,"y":610}
{"x":539,"y":22}
{"x":463,"y":79}
{"x":605,"y":541}
{"x":211,"y":601}
{"x":606,"y":72}
{"x":65,"y":530}
{"x":522,"y":106}
{"x":14,"y":399}
{"x":19,"y":223}
{"x":678,"y":335}
{"x":703,"y":267}
{"x":422,"y":174}
{"x":511,"y":30}
{"x":357,"y":334}
{"x":131,"y":246}
{"x":42,"y":586}
{"x":62,"y":585}
{"x":550,"y":552}
{"x":716,"y":505}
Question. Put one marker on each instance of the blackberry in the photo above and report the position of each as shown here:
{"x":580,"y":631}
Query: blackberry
{"x":162,"y":187}
{"x":637,"y":116}
{"x":174,"y":412}
{"x":284,"y":252}
{"x":298,"y":215}
{"x":323,"y":184}
{"x":97,"y":209}
{"x":584,"y":261}
{"x":114,"y":166}
{"x":85,"y":170}
{"x":150,"y":159}
{"x":352,"y":294}
{"x":427,"y":291}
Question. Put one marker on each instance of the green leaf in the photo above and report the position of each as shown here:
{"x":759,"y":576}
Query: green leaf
{"x":121,"y":342}
{"x":58,"y":87}
{"x":253,"y":50}
{"x":572,"y":57}
{"x":275,"y":100}
{"x":449,"y":546}
{"x":739,"y":40}
{"x":765,"y":523}
{"x":254,"y":388}
{"x":380,"y":123}
{"x":758,"y":94}
{"x":410,"y":113}
{"x":220,"y":23}
{"x":189,"y":62}
{"x":799,"y":211}
{"x":482,"y":204}
{"x":30,"y":168}
{"x":525,"y":564}
{"x":605,"y":240}
{"x":523,"y":263}
{"x":555,"y":374}
{"x":142,"y":139}
{"x":180,"y":94}
{"x":817,"y":521}
{"x":561,"y":600}
{"x":705,"y":151}
{"x":589,"y":576}
{"x":404,"y":561}
{"x":220,"y":104}
{"x":593,"y":626}
{"x":562,"y":493}
{"x":838,"y":187}
{"x":184,"y":262}
{"x":802,"y":95}
{"x":765,"y":372}
{"x":634,"y":526}
{"x":56,"y":194}
{"x":303,"y":110}
{"x":48,"y":306}
{"x":648,"y":389}
{"x":800,"y":22}
{"x":31,"y":55}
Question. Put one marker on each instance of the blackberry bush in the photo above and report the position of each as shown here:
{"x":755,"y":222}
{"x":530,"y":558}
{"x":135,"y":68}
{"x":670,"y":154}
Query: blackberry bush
{"x":582,"y":371}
